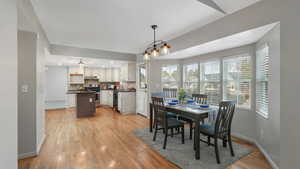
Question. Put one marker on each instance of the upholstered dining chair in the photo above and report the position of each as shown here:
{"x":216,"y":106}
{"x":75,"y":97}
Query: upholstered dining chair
{"x":200,"y":99}
{"x":220,"y":128}
{"x":162,"y":122}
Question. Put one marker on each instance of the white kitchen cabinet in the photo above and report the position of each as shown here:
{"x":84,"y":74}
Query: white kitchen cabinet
{"x":71,"y":100}
{"x":108,"y":76}
{"x":128,"y":72}
{"x":110,"y":98}
{"x":116,"y":75}
{"x":127,"y":102}
{"x":106,"y":97}
{"x":76,"y":70}
{"x":142,"y":102}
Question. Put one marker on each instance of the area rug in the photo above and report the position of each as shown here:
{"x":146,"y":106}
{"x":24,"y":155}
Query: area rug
{"x":183,"y":155}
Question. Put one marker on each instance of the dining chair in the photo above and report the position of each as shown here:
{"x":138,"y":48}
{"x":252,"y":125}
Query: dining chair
{"x":200,"y":98}
{"x":170,"y":92}
{"x":156,"y":100}
{"x":220,"y":128}
{"x":162,"y":122}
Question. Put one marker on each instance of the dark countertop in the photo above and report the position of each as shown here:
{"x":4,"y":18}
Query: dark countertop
{"x":80,"y":92}
{"x":126,"y":91}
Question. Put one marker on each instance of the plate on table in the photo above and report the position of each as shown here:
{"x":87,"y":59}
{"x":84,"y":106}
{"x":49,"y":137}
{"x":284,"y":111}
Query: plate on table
{"x":172,"y":103}
{"x":204,"y":107}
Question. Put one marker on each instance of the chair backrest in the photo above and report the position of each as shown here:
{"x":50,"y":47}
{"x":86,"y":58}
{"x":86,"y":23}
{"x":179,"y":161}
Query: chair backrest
{"x":170,"y":92}
{"x":224,"y":118}
{"x":160,"y":116}
{"x":200,"y":98}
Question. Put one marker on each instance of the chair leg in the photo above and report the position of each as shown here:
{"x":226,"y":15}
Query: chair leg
{"x":230,"y":144}
{"x":208,"y":140}
{"x":182,"y":135}
{"x":195,"y":140}
{"x":224,"y":142}
{"x":217,"y":150}
{"x":165,"y":141}
{"x":155,"y":132}
{"x":172,"y":132}
{"x":191,"y":130}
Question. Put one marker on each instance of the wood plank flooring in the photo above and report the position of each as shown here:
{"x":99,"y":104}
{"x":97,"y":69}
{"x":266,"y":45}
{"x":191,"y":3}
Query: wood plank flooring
{"x":106,"y":141}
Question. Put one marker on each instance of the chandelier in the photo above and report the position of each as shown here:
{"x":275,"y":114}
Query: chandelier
{"x":157,"y":47}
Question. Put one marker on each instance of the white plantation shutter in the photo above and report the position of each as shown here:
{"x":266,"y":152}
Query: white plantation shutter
{"x":170,"y":76}
{"x":262,"y":81}
{"x":237,"y":75}
{"x":191,"y":78}
{"x":210,"y":81}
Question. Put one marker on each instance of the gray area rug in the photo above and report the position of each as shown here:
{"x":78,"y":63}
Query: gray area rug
{"x":183,"y":154}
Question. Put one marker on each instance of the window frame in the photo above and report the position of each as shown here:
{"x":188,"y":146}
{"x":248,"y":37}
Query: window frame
{"x":252,"y":80}
{"x":265,"y":115}
{"x":219,"y":60}
{"x":184,"y":81}
{"x":177,"y":81}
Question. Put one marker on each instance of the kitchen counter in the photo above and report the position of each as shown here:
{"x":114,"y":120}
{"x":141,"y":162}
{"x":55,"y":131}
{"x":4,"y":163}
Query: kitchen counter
{"x":84,"y":102}
{"x":126,"y":91}
{"x":80,"y":92}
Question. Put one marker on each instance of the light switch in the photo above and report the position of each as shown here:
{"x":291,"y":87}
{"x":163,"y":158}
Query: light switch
{"x":91,"y":100}
{"x":24,"y":88}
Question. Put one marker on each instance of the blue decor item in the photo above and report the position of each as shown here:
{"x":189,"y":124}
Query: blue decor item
{"x":172,"y":103}
{"x":190,"y":101}
{"x":175,"y":101}
{"x":204,"y":106}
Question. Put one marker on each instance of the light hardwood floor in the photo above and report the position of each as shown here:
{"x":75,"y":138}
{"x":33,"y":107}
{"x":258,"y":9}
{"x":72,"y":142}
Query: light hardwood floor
{"x":106,"y":141}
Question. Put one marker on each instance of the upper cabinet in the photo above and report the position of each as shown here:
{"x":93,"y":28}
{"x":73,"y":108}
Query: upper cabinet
{"x":128,"y":72}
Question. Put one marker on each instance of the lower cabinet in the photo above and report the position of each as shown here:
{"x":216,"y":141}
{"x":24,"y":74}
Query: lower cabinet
{"x":141,"y":102}
{"x":127,"y":102}
{"x":106,"y":97}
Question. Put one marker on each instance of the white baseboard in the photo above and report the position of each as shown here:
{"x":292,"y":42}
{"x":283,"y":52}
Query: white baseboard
{"x":261,"y":149}
{"x":41,"y":144}
{"x":266,"y":155}
{"x":27,"y":155}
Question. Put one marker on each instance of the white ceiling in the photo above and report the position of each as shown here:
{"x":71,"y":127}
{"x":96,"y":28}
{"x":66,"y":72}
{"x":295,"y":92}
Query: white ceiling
{"x":58,"y":60}
{"x":236,"y":40}
{"x":124,"y":25}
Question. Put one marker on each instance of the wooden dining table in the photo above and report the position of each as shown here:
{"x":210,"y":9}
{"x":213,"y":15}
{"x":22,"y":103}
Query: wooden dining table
{"x":189,"y":111}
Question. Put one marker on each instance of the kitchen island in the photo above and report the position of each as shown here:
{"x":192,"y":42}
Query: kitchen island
{"x":85,"y":103}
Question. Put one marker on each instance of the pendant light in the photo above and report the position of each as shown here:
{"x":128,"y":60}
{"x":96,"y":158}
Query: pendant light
{"x":157,"y":47}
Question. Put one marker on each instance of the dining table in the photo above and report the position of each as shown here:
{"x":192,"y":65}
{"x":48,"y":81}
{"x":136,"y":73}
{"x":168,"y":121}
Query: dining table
{"x":192,"y":111}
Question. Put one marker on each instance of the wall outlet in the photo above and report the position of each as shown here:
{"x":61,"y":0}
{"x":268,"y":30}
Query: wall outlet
{"x":24,"y":88}
{"x":91,"y":100}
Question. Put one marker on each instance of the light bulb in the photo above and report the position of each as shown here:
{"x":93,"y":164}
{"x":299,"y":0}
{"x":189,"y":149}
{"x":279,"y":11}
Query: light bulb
{"x":154,"y":52}
{"x":146,"y":56}
{"x":165,"y":49}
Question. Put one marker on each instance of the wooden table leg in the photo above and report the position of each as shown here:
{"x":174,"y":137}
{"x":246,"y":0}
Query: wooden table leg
{"x":151,"y":118}
{"x":197,"y":140}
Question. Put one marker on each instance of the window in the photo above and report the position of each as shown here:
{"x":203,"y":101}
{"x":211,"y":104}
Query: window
{"x":262,"y":81}
{"x":191,"y":78}
{"x":170,"y":76}
{"x":237,"y":75}
{"x":142,"y":73}
{"x":210,"y":81}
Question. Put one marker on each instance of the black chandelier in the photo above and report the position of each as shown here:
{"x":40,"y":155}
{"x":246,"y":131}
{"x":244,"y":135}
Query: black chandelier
{"x":157,"y":47}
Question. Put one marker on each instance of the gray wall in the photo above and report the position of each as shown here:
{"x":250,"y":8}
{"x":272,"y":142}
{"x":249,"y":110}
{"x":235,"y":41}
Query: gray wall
{"x":8,"y":89}
{"x":268,"y":130}
{"x":27,"y":44}
{"x":28,"y":21}
{"x":56,"y":87}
